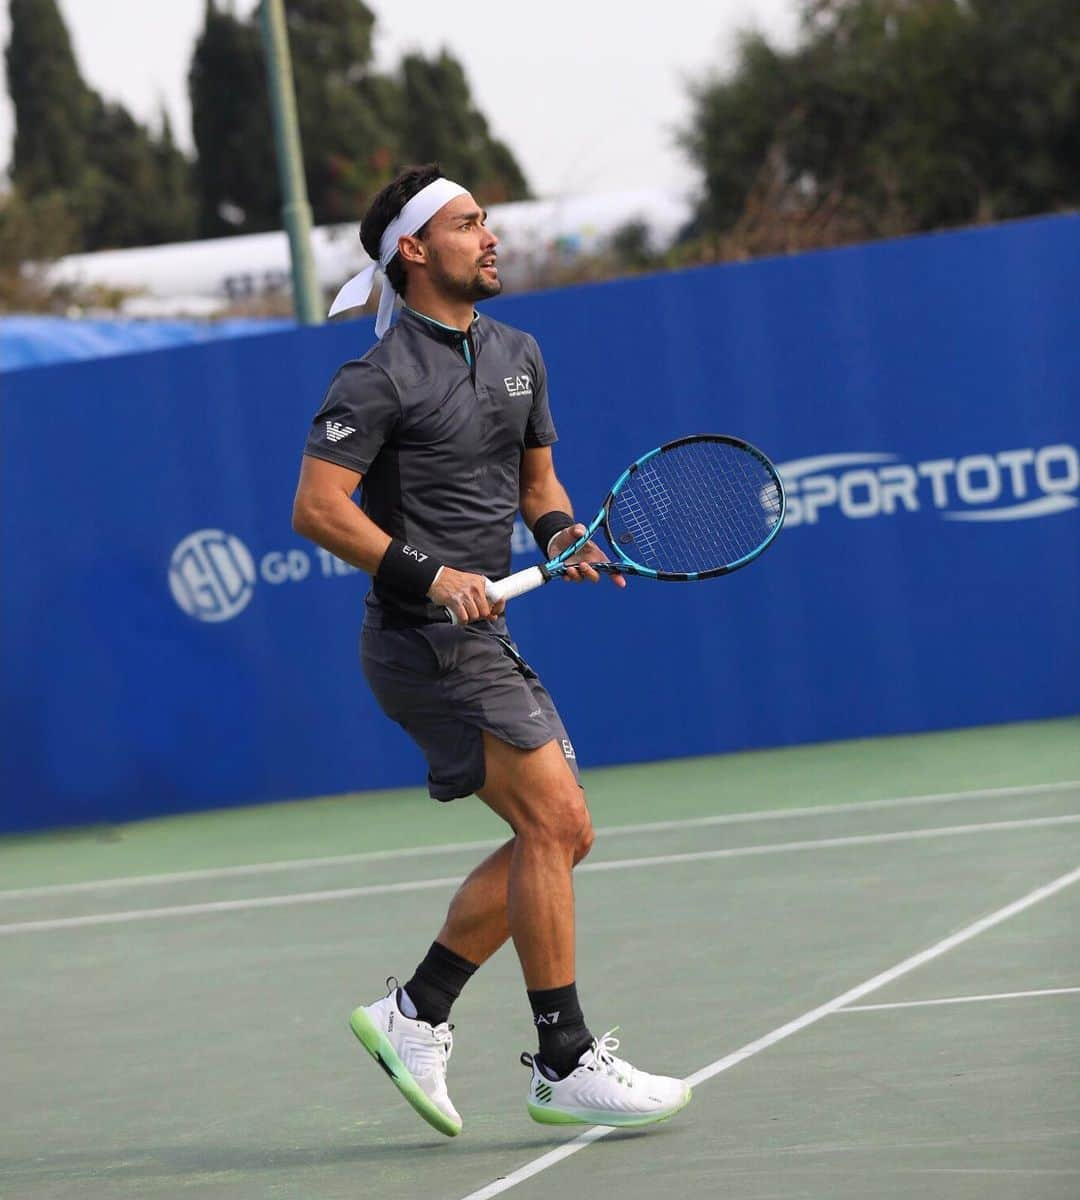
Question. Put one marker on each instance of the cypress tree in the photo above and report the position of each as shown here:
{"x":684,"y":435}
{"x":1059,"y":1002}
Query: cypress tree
{"x":120,"y":184}
{"x":236,"y":178}
{"x":356,"y":125}
{"x":441,"y":123}
{"x":53,"y":106}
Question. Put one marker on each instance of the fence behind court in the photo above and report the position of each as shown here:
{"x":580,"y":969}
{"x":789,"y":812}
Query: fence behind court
{"x":169,"y":644}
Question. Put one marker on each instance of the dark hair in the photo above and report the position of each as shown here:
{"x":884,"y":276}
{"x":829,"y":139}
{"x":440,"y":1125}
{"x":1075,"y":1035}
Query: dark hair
{"x":386,"y":206}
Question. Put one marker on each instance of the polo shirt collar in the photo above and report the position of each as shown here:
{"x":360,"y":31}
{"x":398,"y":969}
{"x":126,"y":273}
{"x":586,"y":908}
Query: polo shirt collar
{"x":436,"y":329}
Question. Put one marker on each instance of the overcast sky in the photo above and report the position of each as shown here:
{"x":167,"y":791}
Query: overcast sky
{"x":586,"y":94}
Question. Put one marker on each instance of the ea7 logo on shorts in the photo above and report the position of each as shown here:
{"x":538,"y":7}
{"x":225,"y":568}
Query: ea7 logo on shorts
{"x":336,"y":431}
{"x":568,"y":749}
{"x":518,"y":385}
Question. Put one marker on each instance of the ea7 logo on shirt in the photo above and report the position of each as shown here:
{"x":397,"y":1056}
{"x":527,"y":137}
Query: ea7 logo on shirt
{"x":518,"y":385}
{"x":335,"y":431}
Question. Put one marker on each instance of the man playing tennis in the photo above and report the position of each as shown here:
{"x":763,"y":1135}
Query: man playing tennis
{"x":446,"y":423}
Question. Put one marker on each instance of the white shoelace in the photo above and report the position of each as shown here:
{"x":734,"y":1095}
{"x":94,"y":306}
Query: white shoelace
{"x":425,"y":1059}
{"x":604,"y":1059}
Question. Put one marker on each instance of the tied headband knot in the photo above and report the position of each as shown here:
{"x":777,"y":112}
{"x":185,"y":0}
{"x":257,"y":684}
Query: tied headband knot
{"x":413,"y":216}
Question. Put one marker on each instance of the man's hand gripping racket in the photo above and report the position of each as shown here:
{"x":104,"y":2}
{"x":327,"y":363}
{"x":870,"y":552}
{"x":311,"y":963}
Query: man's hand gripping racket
{"x":692,"y":509}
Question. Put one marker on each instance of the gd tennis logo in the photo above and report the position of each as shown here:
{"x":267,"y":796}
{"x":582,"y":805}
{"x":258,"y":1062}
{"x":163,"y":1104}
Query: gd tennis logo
{"x":212,"y":574}
{"x":1010,"y":485}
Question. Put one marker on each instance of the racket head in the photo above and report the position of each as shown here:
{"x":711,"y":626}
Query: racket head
{"x":694,"y":508}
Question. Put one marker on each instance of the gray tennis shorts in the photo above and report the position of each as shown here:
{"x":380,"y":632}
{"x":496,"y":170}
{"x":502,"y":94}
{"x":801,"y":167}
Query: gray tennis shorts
{"x":445,"y":684}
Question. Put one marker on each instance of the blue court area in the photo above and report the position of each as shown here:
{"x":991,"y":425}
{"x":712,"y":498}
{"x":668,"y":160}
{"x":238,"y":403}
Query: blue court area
{"x":863,"y":955}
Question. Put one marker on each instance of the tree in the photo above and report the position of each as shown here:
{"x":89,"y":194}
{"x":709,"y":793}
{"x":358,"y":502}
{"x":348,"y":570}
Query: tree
{"x":892,"y":116}
{"x":120,"y":184}
{"x":349,"y":113}
{"x":357,"y":126}
{"x":53,"y":107}
{"x":441,"y":124}
{"x":237,"y":183}
{"x":137,"y":191}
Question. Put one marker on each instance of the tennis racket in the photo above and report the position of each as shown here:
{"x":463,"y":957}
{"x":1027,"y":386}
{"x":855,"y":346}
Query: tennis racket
{"x":692,"y":509}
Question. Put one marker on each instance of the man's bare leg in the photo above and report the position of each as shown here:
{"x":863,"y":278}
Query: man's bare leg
{"x":525,"y":888}
{"x":478,"y":921}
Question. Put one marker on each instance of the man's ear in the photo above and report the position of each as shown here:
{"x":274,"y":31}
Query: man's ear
{"x":412,"y":249}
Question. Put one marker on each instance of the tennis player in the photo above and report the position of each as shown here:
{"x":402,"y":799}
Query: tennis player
{"x":446,"y":424}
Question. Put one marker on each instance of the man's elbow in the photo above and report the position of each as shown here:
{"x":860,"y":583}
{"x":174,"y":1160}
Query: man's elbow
{"x":304,"y":517}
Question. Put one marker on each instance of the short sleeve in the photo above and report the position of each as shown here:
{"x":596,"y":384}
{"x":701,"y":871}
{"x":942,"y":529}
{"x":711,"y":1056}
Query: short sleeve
{"x":540,"y":430}
{"x":359,"y":413}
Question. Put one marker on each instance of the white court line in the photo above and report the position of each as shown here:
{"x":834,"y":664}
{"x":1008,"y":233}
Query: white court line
{"x":335,"y":860}
{"x":619,"y":864}
{"x":505,"y":1183}
{"x":960,"y":999}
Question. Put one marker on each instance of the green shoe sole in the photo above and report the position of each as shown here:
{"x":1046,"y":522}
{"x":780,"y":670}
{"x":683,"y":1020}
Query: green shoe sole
{"x":553,"y":1116}
{"x":376,"y":1043}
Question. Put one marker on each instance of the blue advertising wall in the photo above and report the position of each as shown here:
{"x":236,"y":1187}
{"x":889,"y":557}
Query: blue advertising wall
{"x":168,"y":643}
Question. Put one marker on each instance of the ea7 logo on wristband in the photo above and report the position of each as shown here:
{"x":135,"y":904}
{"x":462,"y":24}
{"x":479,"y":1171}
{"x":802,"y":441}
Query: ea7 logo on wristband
{"x":412,"y":552}
{"x":518,"y":385}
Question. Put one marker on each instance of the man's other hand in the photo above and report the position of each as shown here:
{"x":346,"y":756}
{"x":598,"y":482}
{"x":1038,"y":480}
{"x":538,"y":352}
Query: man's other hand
{"x":590,"y":552}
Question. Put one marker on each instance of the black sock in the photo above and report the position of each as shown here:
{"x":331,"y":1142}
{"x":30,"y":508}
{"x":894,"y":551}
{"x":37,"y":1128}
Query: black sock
{"x":564,"y":1036}
{"x":437,"y":983}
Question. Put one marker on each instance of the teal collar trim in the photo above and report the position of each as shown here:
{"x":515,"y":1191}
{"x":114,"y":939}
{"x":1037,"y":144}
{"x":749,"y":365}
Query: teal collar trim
{"x":466,"y":349}
{"x":432,"y":321}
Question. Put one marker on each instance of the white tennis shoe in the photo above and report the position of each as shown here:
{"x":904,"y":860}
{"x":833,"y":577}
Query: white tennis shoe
{"x":603,"y":1090}
{"x":414,"y":1054}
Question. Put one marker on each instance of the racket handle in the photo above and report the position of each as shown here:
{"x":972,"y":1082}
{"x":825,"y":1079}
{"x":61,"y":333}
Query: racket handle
{"x":517,"y":584}
{"x":511,"y":586}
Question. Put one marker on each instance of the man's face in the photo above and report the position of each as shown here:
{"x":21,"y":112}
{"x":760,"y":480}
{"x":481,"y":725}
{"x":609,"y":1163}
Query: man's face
{"x":461,"y":259}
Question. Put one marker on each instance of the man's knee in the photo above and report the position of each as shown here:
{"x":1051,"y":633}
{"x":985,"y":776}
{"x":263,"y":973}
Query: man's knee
{"x":585,"y":839}
{"x":559,"y":816}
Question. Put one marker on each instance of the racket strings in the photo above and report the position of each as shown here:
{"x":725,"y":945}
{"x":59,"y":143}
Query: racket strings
{"x":696,"y":507}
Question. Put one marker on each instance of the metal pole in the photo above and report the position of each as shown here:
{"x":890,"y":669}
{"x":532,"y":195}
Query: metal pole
{"x":296,"y":211}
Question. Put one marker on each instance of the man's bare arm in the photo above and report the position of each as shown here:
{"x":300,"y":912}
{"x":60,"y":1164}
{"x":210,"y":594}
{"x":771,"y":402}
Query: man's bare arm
{"x":540,"y":489}
{"x":324,"y":511}
{"x":541,"y":492}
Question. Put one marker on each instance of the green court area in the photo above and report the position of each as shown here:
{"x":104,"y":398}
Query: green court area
{"x":863,"y":955}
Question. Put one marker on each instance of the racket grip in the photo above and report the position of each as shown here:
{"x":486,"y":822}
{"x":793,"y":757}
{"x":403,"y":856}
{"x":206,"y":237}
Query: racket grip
{"x":511,"y":586}
{"x":517,"y":584}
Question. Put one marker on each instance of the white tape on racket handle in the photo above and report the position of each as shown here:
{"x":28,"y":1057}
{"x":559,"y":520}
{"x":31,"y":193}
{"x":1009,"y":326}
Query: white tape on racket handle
{"x":516,"y":585}
{"x":508,"y":588}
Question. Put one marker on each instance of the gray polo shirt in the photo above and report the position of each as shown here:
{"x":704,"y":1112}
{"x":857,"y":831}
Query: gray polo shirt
{"x":436,"y":421}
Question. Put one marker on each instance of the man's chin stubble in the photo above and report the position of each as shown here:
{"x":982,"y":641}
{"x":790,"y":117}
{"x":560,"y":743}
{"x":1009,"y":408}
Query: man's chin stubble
{"x":483,"y":288}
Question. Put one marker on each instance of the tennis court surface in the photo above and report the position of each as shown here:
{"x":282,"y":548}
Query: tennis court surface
{"x":863,"y":954}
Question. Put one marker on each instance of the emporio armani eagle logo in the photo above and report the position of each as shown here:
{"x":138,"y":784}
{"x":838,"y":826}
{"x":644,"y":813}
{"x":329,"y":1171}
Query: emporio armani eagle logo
{"x":336,"y":431}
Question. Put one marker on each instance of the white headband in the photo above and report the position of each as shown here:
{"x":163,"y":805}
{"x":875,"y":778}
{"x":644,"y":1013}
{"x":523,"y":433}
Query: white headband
{"x":413,"y":216}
